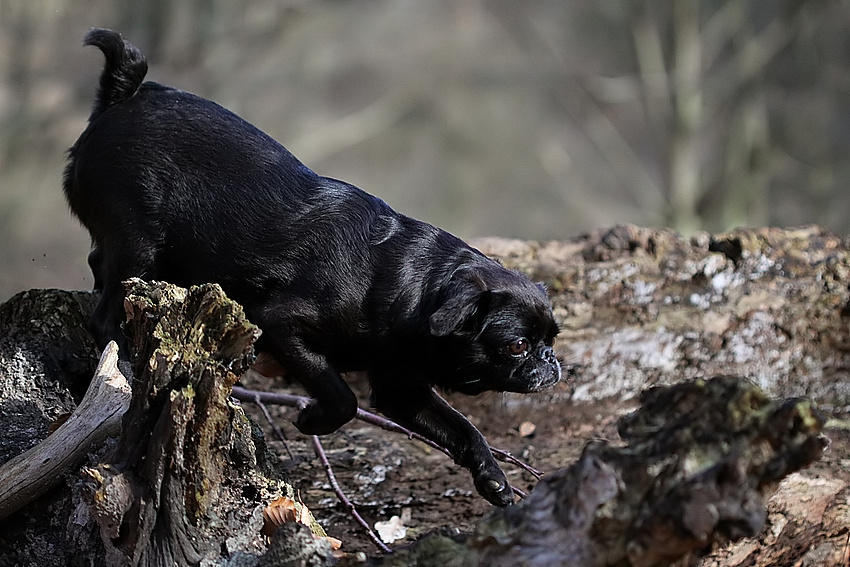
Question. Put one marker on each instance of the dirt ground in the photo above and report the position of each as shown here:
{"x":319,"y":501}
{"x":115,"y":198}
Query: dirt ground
{"x":384,"y":474}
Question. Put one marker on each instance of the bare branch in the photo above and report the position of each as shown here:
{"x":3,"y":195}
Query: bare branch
{"x":506,"y":457}
{"x":320,"y":452}
{"x":290,"y":400}
{"x":31,"y":474}
{"x":272,"y":424}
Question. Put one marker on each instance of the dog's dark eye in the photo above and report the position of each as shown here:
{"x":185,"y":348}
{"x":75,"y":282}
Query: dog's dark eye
{"x":518,"y":348}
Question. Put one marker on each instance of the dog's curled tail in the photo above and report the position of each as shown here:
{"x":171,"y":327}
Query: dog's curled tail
{"x":124,"y":71}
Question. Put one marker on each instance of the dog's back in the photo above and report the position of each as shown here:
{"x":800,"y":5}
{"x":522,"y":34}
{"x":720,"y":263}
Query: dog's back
{"x":173,"y":186}
{"x":150,"y":142}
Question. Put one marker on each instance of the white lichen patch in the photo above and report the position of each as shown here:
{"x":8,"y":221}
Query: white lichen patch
{"x":619,"y":363}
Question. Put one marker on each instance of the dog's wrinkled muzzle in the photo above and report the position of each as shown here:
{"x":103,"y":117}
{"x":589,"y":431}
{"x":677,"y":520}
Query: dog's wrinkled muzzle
{"x":546,"y":371}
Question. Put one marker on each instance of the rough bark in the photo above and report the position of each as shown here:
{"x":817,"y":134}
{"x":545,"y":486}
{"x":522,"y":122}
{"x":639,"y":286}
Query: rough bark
{"x":46,"y":361}
{"x":182,"y":440}
{"x":699,"y":462}
{"x":641,"y":306}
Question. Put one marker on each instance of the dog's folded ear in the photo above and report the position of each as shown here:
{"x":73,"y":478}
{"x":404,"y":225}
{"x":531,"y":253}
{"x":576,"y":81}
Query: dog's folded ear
{"x":464,"y":296}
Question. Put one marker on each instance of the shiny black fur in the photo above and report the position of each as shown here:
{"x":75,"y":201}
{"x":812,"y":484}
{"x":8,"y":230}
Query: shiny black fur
{"x":174,"y":187}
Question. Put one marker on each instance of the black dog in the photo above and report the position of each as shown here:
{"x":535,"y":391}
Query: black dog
{"x":174,"y":187}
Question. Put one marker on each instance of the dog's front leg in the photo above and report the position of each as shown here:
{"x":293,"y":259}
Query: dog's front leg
{"x":333,"y":403}
{"x":421,"y":410}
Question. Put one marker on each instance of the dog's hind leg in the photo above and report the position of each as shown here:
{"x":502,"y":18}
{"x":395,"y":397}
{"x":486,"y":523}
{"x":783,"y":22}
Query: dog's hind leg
{"x":107,"y":317}
{"x":96,"y":265}
{"x":111,"y":266}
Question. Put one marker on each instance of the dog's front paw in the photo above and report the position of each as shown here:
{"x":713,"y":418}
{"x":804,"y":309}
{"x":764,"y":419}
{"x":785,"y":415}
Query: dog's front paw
{"x":315,"y":419}
{"x":494,"y":487}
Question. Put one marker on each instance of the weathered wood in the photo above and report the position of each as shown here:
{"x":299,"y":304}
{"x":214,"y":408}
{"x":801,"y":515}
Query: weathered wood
{"x":153,"y":499}
{"x":641,"y":306}
{"x":31,"y":474}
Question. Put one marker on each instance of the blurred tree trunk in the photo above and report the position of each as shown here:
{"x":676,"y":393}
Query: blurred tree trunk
{"x":686,"y":82}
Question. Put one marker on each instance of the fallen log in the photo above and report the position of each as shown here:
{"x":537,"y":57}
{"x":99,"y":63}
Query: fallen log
{"x":699,"y":462}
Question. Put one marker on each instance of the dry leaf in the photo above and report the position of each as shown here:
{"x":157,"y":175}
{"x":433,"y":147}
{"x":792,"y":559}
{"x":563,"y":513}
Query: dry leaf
{"x":335,"y":543}
{"x":526,"y":429}
{"x":304,"y":517}
{"x":285,"y":509}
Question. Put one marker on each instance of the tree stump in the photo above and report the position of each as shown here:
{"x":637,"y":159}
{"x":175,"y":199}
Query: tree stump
{"x":159,"y":500}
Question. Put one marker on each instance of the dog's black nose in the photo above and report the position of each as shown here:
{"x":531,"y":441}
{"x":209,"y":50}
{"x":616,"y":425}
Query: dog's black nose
{"x":548,"y":354}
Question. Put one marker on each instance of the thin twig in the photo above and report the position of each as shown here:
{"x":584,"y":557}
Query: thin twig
{"x":506,"y":457}
{"x":246,"y":395}
{"x":291,"y":400}
{"x":390,"y":425}
{"x":320,"y":452}
{"x":519,"y":492}
{"x":273,"y":425}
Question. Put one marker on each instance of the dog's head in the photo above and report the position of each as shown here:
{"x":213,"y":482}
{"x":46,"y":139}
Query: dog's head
{"x":494,"y":331}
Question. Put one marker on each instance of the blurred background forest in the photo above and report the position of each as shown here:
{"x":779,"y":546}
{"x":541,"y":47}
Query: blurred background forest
{"x":534,"y":119}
